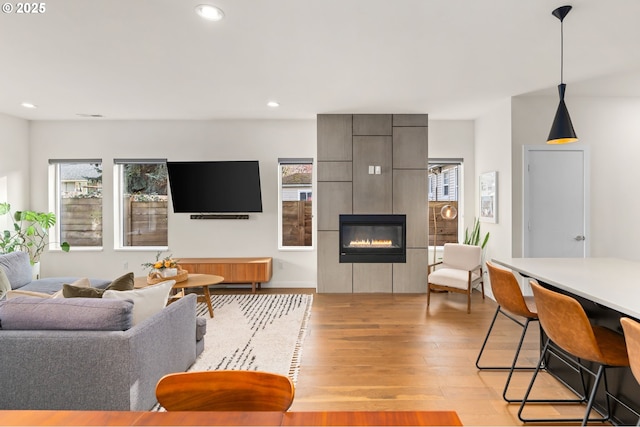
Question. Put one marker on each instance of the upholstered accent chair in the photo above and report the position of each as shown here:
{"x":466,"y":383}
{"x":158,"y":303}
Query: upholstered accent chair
{"x":459,"y":271}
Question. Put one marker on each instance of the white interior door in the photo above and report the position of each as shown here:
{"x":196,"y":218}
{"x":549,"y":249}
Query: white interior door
{"x":555,"y":202}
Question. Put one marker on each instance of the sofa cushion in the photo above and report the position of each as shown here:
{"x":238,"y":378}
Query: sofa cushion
{"x":17,"y":267}
{"x":51,"y":285}
{"x":201,"y":328}
{"x":5,"y":285}
{"x":147,"y":301}
{"x":28,"y":313}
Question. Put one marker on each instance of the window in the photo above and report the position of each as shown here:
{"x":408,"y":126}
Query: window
{"x":295,"y":206}
{"x":445,"y":183}
{"x":141,"y":203}
{"x":75,"y":189}
{"x":444,"y":178}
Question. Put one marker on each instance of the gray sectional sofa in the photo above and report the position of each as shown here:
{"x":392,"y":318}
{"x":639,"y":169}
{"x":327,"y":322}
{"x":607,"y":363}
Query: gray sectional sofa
{"x":84,"y":353}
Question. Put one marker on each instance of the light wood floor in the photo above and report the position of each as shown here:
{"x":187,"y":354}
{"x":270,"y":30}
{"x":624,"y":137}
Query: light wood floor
{"x":387,"y":352}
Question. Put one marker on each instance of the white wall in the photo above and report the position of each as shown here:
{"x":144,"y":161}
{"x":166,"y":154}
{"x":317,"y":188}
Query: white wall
{"x":455,"y":139}
{"x":14,"y":163}
{"x":493,"y":153}
{"x":609,"y":127}
{"x":263,"y":140}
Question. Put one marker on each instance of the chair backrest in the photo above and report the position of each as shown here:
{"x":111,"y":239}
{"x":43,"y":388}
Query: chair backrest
{"x":631,"y":330}
{"x":565,"y":322}
{"x":225,"y":391}
{"x":507,"y":292}
{"x":461,"y":256}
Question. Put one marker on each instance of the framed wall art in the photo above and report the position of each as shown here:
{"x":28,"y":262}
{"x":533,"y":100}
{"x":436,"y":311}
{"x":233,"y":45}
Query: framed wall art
{"x":489,"y":197}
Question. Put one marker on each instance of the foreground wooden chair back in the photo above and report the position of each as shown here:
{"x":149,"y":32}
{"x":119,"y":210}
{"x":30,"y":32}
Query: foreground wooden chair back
{"x":225,"y":391}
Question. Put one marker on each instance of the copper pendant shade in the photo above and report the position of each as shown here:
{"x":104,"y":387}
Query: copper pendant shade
{"x":562,"y":131}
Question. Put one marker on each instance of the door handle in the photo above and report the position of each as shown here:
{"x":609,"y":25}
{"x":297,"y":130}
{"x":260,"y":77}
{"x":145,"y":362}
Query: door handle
{"x":579,"y":238}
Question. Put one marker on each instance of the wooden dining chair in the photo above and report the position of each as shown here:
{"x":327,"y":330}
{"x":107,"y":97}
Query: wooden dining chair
{"x":225,"y":391}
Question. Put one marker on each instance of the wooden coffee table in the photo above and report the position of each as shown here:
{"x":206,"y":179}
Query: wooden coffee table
{"x":193,"y":281}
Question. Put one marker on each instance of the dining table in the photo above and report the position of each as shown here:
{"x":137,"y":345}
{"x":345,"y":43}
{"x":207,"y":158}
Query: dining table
{"x":216,"y":418}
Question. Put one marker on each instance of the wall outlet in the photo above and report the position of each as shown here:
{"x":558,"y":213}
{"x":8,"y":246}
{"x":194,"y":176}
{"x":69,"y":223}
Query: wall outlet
{"x":125,"y":265}
{"x":378,"y":170}
{"x":371,"y":169}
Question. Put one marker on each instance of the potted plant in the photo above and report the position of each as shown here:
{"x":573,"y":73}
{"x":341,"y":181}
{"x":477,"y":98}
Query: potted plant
{"x":474,"y":237}
{"x":30,"y":232}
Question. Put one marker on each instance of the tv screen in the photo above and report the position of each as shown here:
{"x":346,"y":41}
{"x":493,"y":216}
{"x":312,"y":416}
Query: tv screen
{"x":216,"y":187}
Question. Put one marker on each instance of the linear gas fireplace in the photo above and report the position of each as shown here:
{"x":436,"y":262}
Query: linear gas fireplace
{"x":373,"y":238}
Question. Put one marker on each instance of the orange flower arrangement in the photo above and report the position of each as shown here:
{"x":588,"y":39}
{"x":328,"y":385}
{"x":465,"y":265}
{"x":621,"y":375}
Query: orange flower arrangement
{"x":159,"y":264}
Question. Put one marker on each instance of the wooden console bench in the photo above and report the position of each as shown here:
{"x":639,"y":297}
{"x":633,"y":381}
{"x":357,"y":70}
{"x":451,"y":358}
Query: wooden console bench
{"x":252,"y":271}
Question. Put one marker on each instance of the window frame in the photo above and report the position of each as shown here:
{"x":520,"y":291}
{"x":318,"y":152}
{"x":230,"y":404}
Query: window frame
{"x":295,"y":161}
{"x":118,"y":208}
{"x":55,"y":196}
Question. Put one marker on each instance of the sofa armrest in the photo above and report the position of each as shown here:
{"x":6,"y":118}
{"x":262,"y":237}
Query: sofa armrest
{"x":161,"y":345}
{"x":96,"y":370}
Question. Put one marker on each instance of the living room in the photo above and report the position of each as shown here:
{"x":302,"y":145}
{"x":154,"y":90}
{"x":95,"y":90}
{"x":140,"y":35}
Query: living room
{"x":42,"y":57}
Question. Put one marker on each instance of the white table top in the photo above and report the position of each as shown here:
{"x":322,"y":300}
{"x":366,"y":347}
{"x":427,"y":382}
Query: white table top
{"x":612,"y":282}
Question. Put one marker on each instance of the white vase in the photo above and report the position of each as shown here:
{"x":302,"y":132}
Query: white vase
{"x":169,"y":272}
{"x":35,"y":270}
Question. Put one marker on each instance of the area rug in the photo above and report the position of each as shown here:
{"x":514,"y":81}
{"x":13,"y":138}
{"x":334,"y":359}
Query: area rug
{"x":260,"y":332}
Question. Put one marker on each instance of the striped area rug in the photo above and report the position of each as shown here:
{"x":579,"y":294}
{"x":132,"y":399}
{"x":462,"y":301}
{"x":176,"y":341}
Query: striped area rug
{"x":262,"y":332}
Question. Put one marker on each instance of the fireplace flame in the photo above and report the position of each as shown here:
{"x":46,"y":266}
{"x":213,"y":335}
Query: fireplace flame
{"x":370,"y":243}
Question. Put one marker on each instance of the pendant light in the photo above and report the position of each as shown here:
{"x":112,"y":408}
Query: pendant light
{"x":562,"y":130}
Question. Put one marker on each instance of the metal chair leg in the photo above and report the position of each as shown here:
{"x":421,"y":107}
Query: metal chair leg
{"x":513,"y":366}
{"x":582,"y":399}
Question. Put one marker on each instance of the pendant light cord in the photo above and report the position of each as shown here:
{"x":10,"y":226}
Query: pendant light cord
{"x":561,"y":51}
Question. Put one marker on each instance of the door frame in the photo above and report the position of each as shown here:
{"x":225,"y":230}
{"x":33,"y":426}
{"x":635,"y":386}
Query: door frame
{"x":527,"y":149}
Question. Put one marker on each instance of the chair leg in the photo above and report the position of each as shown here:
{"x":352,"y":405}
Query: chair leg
{"x":482,"y":285}
{"x":581,"y":399}
{"x":428,"y":294}
{"x":486,"y":338}
{"x":469,"y":300}
{"x":513,"y":365}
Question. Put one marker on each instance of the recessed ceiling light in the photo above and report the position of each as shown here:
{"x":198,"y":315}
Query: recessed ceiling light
{"x":273,"y":104}
{"x":210,"y":12}
{"x":29,"y":105}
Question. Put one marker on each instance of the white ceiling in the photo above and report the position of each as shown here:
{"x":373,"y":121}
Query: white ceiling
{"x":453,"y":59}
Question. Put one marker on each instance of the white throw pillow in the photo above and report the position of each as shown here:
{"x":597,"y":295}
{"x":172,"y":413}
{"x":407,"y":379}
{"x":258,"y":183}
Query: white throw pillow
{"x":5,"y":286}
{"x":147,"y":301}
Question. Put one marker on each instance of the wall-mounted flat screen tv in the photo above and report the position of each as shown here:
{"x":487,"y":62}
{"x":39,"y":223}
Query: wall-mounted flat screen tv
{"x":215,"y":186}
